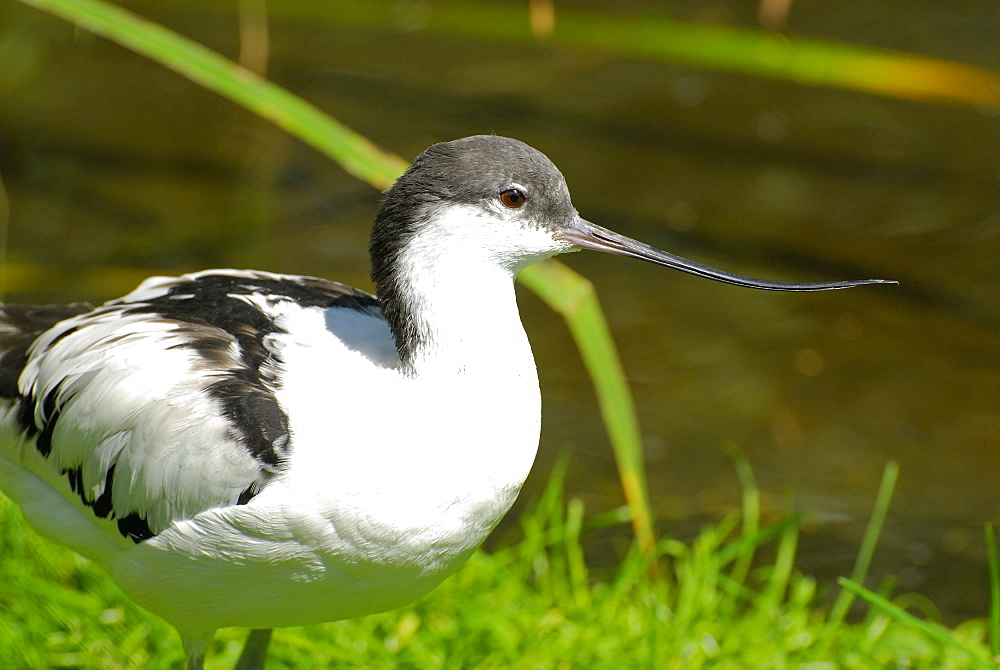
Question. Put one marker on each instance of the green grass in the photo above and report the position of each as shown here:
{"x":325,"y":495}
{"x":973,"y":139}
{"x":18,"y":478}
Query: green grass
{"x":531,"y":604}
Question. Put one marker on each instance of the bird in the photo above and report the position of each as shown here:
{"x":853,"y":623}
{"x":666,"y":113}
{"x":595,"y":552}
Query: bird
{"x":244,"y":448}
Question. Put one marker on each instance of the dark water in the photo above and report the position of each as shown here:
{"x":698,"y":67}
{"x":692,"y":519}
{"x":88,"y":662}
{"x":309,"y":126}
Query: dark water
{"x":116,"y":169}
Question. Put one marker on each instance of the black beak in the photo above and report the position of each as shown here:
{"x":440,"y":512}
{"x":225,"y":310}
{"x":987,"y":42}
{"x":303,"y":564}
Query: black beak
{"x":586,"y":235}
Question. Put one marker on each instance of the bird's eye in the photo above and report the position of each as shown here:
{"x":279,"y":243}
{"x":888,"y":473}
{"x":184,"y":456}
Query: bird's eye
{"x":512,"y":198}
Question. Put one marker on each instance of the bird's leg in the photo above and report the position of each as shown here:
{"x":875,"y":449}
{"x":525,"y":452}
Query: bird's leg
{"x":255,"y":650}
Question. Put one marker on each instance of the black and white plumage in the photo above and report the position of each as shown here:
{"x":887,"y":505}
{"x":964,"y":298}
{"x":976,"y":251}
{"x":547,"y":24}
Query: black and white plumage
{"x":241,"y":448}
{"x":197,"y":350}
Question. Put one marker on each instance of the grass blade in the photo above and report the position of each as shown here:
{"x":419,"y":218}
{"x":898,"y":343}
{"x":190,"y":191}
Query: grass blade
{"x":354,"y":153}
{"x":574,"y":298}
{"x":933,"y":631}
{"x":751,"y":511}
{"x":654,"y":36}
{"x":994,"y":566}
{"x":867,"y":550}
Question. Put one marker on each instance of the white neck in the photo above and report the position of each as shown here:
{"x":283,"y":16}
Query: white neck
{"x":459,"y":295}
{"x":469,"y":323}
{"x":473,"y":383}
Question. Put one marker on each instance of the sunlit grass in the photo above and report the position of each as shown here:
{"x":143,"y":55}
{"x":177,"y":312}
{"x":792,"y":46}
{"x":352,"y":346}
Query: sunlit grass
{"x":533,"y":603}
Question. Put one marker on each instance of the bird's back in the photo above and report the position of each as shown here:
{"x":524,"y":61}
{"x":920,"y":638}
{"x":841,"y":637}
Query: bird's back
{"x":162,"y":404}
